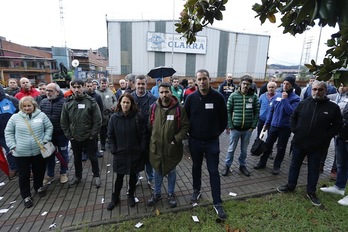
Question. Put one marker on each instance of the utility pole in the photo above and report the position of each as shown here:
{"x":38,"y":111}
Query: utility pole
{"x":62,"y":27}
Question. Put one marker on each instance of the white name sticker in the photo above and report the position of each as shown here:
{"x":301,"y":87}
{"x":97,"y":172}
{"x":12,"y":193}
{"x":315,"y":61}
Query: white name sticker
{"x":106,"y":96}
{"x":346,"y":100}
{"x":170,"y":117}
{"x":278,"y":99}
{"x":37,"y":120}
{"x":6,"y":107}
{"x":81,"y":106}
{"x":209,"y":106}
{"x":249,"y":106}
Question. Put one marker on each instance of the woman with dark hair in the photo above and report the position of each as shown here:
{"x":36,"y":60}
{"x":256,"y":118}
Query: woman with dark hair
{"x":127,"y":139}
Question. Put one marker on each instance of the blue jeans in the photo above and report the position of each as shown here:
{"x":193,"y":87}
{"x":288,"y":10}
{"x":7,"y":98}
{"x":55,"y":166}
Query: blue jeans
{"x":342,"y":163}
{"x":274,"y":133}
{"x":61,"y":142}
{"x":149,"y":171}
{"x":211,"y":151}
{"x":159,"y":181}
{"x":10,"y":159}
{"x":234,"y":138}
{"x":298,"y":156}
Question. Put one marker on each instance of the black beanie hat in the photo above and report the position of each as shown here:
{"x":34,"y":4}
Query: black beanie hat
{"x":291,"y":79}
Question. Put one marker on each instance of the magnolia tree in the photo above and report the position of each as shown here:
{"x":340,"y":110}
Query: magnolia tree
{"x":296,"y":16}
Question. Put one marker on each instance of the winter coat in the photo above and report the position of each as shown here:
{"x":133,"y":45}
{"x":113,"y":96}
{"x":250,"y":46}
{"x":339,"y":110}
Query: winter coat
{"x":226,"y":89}
{"x":23,"y":93}
{"x":8,"y":106}
{"x":282,"y":109}
{"x":81,"y":118}
{"x":19,"y":137}
{"x":12,"y":92}
{"x":168,"y":128}
{"x":243,"y":110}
{"x":109,"y":102}
{"x":265,"y":106}
{"x":127,"y":138}
{"x":314,"y":123}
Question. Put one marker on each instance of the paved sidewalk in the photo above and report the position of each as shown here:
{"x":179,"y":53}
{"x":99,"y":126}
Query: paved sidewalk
{"x":82,"y":206}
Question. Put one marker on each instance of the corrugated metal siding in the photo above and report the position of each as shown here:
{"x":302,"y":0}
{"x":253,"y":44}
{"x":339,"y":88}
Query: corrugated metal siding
{"x":223,"y":53}
{"x":114,"y":47}
{"x":126,"y":47}
{"x":139,"y":64}
{"x":191,"y":65}
{"x":210,"y":59}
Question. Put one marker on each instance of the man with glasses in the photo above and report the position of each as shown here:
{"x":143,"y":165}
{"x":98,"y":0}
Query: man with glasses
{"x":314,"y":123}
{"x":278,"y":124}
{"x":81,"y":122}
{"x":243,"y":113}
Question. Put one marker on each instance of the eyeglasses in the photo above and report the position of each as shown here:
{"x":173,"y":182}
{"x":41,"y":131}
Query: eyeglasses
{"x":49,"y":90}
{"x":77,"y":87}
{"x":318,"y":89}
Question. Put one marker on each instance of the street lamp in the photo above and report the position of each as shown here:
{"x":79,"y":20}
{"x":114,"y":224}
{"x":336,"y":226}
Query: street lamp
{"x":75,"y":63}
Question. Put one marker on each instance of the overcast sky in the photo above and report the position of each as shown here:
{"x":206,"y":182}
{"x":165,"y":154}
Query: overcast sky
{"x":38,"y":23}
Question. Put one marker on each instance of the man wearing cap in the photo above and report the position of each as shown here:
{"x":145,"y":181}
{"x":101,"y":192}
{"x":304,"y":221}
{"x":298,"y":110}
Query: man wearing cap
{"x":278,"y":123}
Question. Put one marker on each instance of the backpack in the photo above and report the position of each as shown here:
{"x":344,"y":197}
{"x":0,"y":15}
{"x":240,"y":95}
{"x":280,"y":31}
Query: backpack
{"x":177,"y":114}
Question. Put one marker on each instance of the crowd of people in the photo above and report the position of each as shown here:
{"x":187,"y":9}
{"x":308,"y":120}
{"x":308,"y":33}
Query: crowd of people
{"x":144,"y":131}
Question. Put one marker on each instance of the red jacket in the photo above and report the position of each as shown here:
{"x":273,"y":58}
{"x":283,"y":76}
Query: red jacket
{"x":23,"y":93}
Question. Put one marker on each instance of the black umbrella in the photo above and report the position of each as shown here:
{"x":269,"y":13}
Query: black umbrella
{"x":161,"y":71}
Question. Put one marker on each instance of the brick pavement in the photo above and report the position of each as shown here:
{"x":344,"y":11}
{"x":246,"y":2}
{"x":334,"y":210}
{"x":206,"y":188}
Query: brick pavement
{"x":75,"y":208}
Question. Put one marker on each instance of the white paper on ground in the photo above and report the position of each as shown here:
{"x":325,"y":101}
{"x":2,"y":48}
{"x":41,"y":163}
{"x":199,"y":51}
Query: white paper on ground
{"x":194,"y":204}
{"x":195,"y":218}
{"x":44,"y":213}
{"x":3,"y":210}
{"x":138,"y":225}
{"x":2,"y":183}
{"x":232,"y":194}
{"x":108,"y":171}
{"x":12,"y":202}
{"x":136,"y":199}
{"x":1,"y":198}
{"x":140,"y":177}
{"x":108,"y":165}
{"x":54,"y":225}
{"x":103,"y":200}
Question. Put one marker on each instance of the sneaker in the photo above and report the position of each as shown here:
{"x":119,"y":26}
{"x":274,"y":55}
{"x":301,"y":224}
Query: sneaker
{"x":171,"y":200}
{"x":244,"y":170}
{"x":220,"y":212}
{"x":48,"y":180}
{"x":154,"y":198}
{"x":97,"y":182}
{"x":12,"y":174}
{"x":41,"y":192}
{"x":149,"y":184}
{"x":28,"y":202}
{"x":285,"y":189}
{"x":314,"y":199}
{"x":276,"y":171}
{"x":131,"y":201}
{"x":343,"y":201}
{"x":333,"y":189}
{"x":74,"y":181}
{"x":63,"y":178}
{"x":114,"y":202}
{"x":226,"y":171}
{"x":333,"y":175}
{"x":195,"y":196}
{"x":259,"y":166}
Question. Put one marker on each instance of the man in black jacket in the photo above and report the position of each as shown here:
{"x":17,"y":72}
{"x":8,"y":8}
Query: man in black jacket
{"x":314,"y":122}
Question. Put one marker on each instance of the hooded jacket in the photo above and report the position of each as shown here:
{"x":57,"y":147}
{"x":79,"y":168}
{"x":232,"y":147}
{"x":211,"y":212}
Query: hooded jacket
{"x":8,"y":106}
{"x":169,"y":127}
{"x":23,"y":93}
{"x":109,"y":101}
{"x":81,"y":118}
{"x":127,"y":138}
{"x":19,"y":137}
{"x":314,"y":123}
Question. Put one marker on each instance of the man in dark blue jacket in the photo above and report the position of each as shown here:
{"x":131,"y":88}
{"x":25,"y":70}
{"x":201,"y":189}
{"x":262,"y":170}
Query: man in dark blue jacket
{"x":207,"y":113}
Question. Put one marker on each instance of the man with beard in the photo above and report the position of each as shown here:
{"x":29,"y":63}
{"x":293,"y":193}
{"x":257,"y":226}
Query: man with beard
{"x":314,"y":123}
{"x":52,"y":106}
{"x":278,"y":124}
{"x":26,"y":89}
{"x":243,"y":113}
{"x":176,"y":89}
{"x":169,"y":126}
{"x":81,"y":122}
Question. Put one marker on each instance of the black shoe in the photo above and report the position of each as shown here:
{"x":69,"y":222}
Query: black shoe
{"x":195,"y":196}
{"x":131,"y":201}
{"x":74,"y":181}
{"x":285,"y":189}
{"x":314,"y":199}
{"x":226,"y":171}
{"x":41,"y":192}
{"x":220,"y":212}
{"x":276,"y":171}
{"x":259,"y":166}
{"x":28,"y":202}
{"x":115,"y":201}
{"x":244,"y":170}
{"x":171,"y":200}
{"x":154,"y":198}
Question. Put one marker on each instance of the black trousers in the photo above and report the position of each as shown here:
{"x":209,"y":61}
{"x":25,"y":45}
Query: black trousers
{"x":88,"y":145}
{"x":38,"y":166}
{"x":103,"y":134}
{"x":119,"y":184}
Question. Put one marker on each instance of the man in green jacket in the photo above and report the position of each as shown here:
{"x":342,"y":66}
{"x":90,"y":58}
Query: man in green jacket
{"x":243,"y":114}
{"x":81,"y":121}
{"x":169,"y":125}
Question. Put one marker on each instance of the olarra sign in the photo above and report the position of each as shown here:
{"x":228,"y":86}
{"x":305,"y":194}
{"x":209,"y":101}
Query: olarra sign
{"x":165,"y":42}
